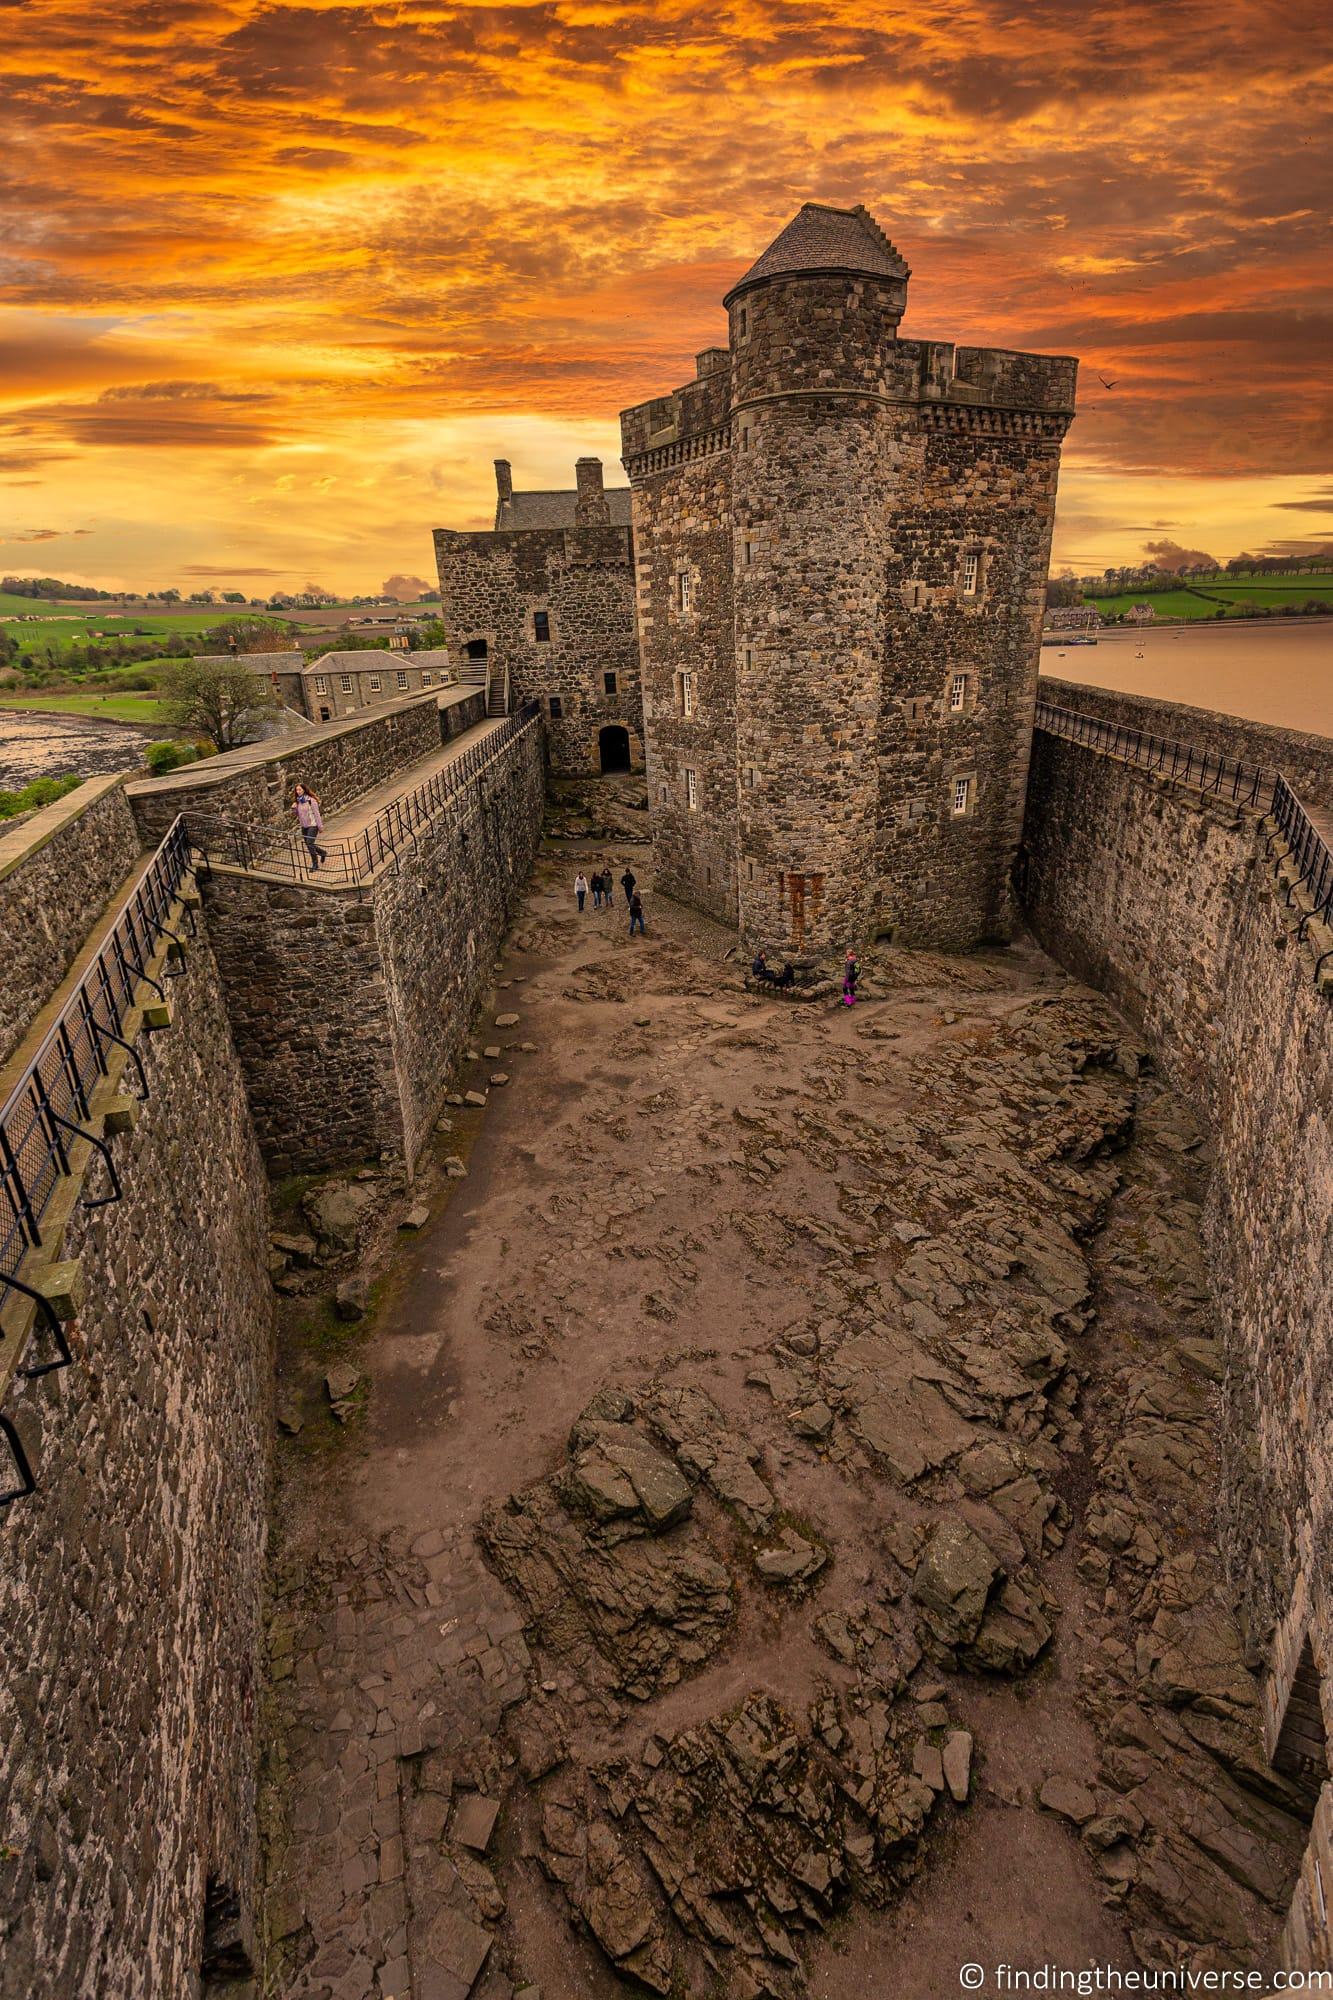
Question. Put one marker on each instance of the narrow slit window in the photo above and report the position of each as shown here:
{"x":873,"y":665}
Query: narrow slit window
{"x":962,"y":796}
{"x":683,"y":590}
{"x":971,"y":573}
{"x":691,"y":791}
{"x":743,"y":322}
{"x":541,"y":627}
{"x":687,"y":694}
{"x":747,"y":554}
{"x":958,"y":692}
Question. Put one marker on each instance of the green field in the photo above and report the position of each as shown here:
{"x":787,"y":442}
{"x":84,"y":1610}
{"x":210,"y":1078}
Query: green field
{"x":1231,"y":595}
{"x":58,"y":633}
{"x":112,"y":707}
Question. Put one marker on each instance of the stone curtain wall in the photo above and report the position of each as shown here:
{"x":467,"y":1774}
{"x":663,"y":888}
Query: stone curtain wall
{"x":1167,"y":903}
{"x":58,"y":872}
{"x":254,"y":786}
{"x":306,"y":993}
{"x":130,"y":1585}
{"x":1305,"y":761}
{"x":492,"y":583}
{"x":440,"y":922}
{"x":350,"y":1007}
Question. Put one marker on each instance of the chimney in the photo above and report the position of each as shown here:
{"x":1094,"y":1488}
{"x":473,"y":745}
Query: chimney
{"x":590,"y":509}
{"x":504,"y":487}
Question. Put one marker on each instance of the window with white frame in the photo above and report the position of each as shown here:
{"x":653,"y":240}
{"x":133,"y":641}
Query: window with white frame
{"x":958,"y":692}
{"x":345,"y":683}
{"x":426,"y":679}
{"x":401,"y":678}
{"x":971,"y":573}
{"x":683,"y":591}
{"x":320,"y":684}
{"x":374,"y":683}
{"x":691,"y":791}
{"x":962,"y":796}
{"x":687,"y":694}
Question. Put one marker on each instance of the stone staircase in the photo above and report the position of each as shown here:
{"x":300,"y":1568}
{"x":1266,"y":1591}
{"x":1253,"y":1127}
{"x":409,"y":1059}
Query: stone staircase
{"x":497,"y":692}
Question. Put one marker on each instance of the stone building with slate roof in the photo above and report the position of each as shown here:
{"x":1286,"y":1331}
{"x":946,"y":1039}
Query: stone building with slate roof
{"x":543,"y":605}
{"x":842,"y":541}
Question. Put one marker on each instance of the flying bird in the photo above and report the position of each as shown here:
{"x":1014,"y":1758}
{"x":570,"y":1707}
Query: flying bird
{"x":1105,"y":384}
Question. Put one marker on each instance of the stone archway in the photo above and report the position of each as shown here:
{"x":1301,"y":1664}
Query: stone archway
{"x":613,"y":747}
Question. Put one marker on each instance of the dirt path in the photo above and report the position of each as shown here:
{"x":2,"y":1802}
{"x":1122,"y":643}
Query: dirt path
{"x":824,"y":1272}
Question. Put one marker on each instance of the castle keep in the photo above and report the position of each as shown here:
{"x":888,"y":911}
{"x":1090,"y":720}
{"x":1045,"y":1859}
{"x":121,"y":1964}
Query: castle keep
{"x":542,"y":608}
{"x":842,"y":542}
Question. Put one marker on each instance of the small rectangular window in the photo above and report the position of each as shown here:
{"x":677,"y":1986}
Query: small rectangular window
{"x":541,"y":627}
{"x":609,"y":683}
{"x":426,"y":678}
{"x":691,"y":791}
{"x":683,"y":590}
{"x":971,"y":571}
{"x":751,"y":774}
{"x":745,"y":437}
{"x":375,"y":683}
{"x":747,"y":554}
{"x":401,"y":679}
{"x":687,"y":694}
{"x":958,"y":692}
{"x":345,"y":683}
{"x":743,"y":322}
{"x":916,"y":809}
{"x":557,"y":708}
{"x":320,"y":688}
{"x":962,"y":794}
{"x":749,"y":658}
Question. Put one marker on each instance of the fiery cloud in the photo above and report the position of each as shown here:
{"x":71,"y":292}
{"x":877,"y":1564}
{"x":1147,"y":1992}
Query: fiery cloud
{"x":280,"y":280}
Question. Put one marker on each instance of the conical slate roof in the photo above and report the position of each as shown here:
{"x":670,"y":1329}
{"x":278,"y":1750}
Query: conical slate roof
{"x":820,"y":238}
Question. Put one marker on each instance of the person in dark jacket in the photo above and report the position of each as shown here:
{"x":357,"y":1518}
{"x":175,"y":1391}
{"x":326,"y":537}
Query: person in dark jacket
{"x":636,"y":914}
{"x":851,"y":972}
{"x":627,"y":884}
{"x":608,"y":886}
{"x":596,"y":886}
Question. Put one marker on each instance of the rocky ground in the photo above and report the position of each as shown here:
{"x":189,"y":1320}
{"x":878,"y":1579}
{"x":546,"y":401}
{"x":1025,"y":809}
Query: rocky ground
{"x":752,"y":1535}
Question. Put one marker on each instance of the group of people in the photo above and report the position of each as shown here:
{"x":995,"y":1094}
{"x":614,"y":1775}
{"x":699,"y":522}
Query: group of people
{"x":604,"y":891}
{"x":851,"y":971}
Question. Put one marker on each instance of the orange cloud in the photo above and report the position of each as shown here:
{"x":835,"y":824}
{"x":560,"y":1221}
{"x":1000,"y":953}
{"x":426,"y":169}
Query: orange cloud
{"x":277,"y":250}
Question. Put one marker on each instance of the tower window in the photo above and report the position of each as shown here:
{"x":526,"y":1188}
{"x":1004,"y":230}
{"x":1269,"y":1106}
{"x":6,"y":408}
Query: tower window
{"x":971,"y":573}
{"x":556,"y":708}
{"x":962,"y":796}
{"x":541,"y":627}
{"x":958,"y":692}
{"x":743,"y":322}
{"x":691,"y":791}
{"x":609,"y":683}
{"x":683,"y":592}
{"x":745,"y":437}
{"x":749,"y":658}
{"x":747,"y":553}
{"x":687,"y":694}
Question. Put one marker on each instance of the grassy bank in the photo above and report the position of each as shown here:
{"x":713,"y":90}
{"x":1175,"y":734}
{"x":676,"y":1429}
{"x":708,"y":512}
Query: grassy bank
{"x":102,"y":707}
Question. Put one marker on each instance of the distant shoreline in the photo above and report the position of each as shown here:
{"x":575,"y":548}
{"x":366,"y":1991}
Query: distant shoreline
{"x":1105,"y":634}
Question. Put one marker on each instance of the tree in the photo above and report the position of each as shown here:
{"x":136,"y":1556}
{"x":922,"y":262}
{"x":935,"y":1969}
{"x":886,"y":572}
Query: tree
{"x":222,"y":699}
{"x":233,"y":597}
{"x":429,"y":637}
{"x":250,"y":635}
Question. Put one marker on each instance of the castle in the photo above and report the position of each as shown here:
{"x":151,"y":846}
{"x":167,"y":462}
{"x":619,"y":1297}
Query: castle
{"x":840,"y":547}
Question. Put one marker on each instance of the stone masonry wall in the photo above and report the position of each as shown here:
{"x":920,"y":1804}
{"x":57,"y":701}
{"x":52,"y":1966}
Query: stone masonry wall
{"x":1166,"y":902}
{"x":583,"y":579}
{"x":131,"y":1580}
{"x":58,"y":871}
{"x":254,"y":786}
{"x":350,"y":1007}
{"x":1305,"y":761}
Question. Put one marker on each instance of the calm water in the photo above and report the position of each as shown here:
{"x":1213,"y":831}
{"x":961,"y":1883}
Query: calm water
{"x":1277,"y":671}
{"x":45,"y":746}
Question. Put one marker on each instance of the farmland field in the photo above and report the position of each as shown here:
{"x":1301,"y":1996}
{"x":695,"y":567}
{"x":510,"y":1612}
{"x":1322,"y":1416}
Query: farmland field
{"x":1230,"y":595}
{"x":108,"y":707}
{"x":59,"y":630}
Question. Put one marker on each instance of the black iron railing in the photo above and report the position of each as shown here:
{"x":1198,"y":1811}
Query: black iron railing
{"x":49,"y":1108}
{"x":352,"y":859}
{"x":1226,"y":777}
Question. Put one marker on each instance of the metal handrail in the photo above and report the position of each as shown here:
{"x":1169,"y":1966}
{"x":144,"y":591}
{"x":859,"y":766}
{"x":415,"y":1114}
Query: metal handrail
{"x":49,"y":1108}
{"x":1227,"y":777}
{"x":350,"y":860}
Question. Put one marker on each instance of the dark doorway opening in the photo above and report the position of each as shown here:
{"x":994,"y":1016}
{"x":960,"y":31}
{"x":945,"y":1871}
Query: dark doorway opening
{"x":613,"y":743}
{"x":476,"y":649}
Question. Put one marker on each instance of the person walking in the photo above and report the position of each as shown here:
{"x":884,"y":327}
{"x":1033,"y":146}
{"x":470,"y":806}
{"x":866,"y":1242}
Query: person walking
{"x":597,"y":888}
{"x":636,"y":914}
{"x":580,"y":887}
{"x":627,"y":883}
{"x":851,"y":972}
{"x":311,"y":822}
{"x":608,"y":885}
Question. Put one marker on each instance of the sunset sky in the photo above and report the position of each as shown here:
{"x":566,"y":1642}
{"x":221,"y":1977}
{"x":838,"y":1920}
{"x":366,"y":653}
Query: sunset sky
{"x":278,"y":282}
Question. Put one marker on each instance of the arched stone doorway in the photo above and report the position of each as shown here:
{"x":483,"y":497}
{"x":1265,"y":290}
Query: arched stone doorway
{"x":613,"y":745}
{"x":476,"y":649}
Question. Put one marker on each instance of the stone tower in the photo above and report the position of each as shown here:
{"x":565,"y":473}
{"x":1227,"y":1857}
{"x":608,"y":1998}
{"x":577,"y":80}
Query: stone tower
{"x":842,"y":543}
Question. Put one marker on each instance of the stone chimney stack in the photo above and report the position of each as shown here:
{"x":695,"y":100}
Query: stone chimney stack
{"x":504,"y":487}
{"x":591,"y":509}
